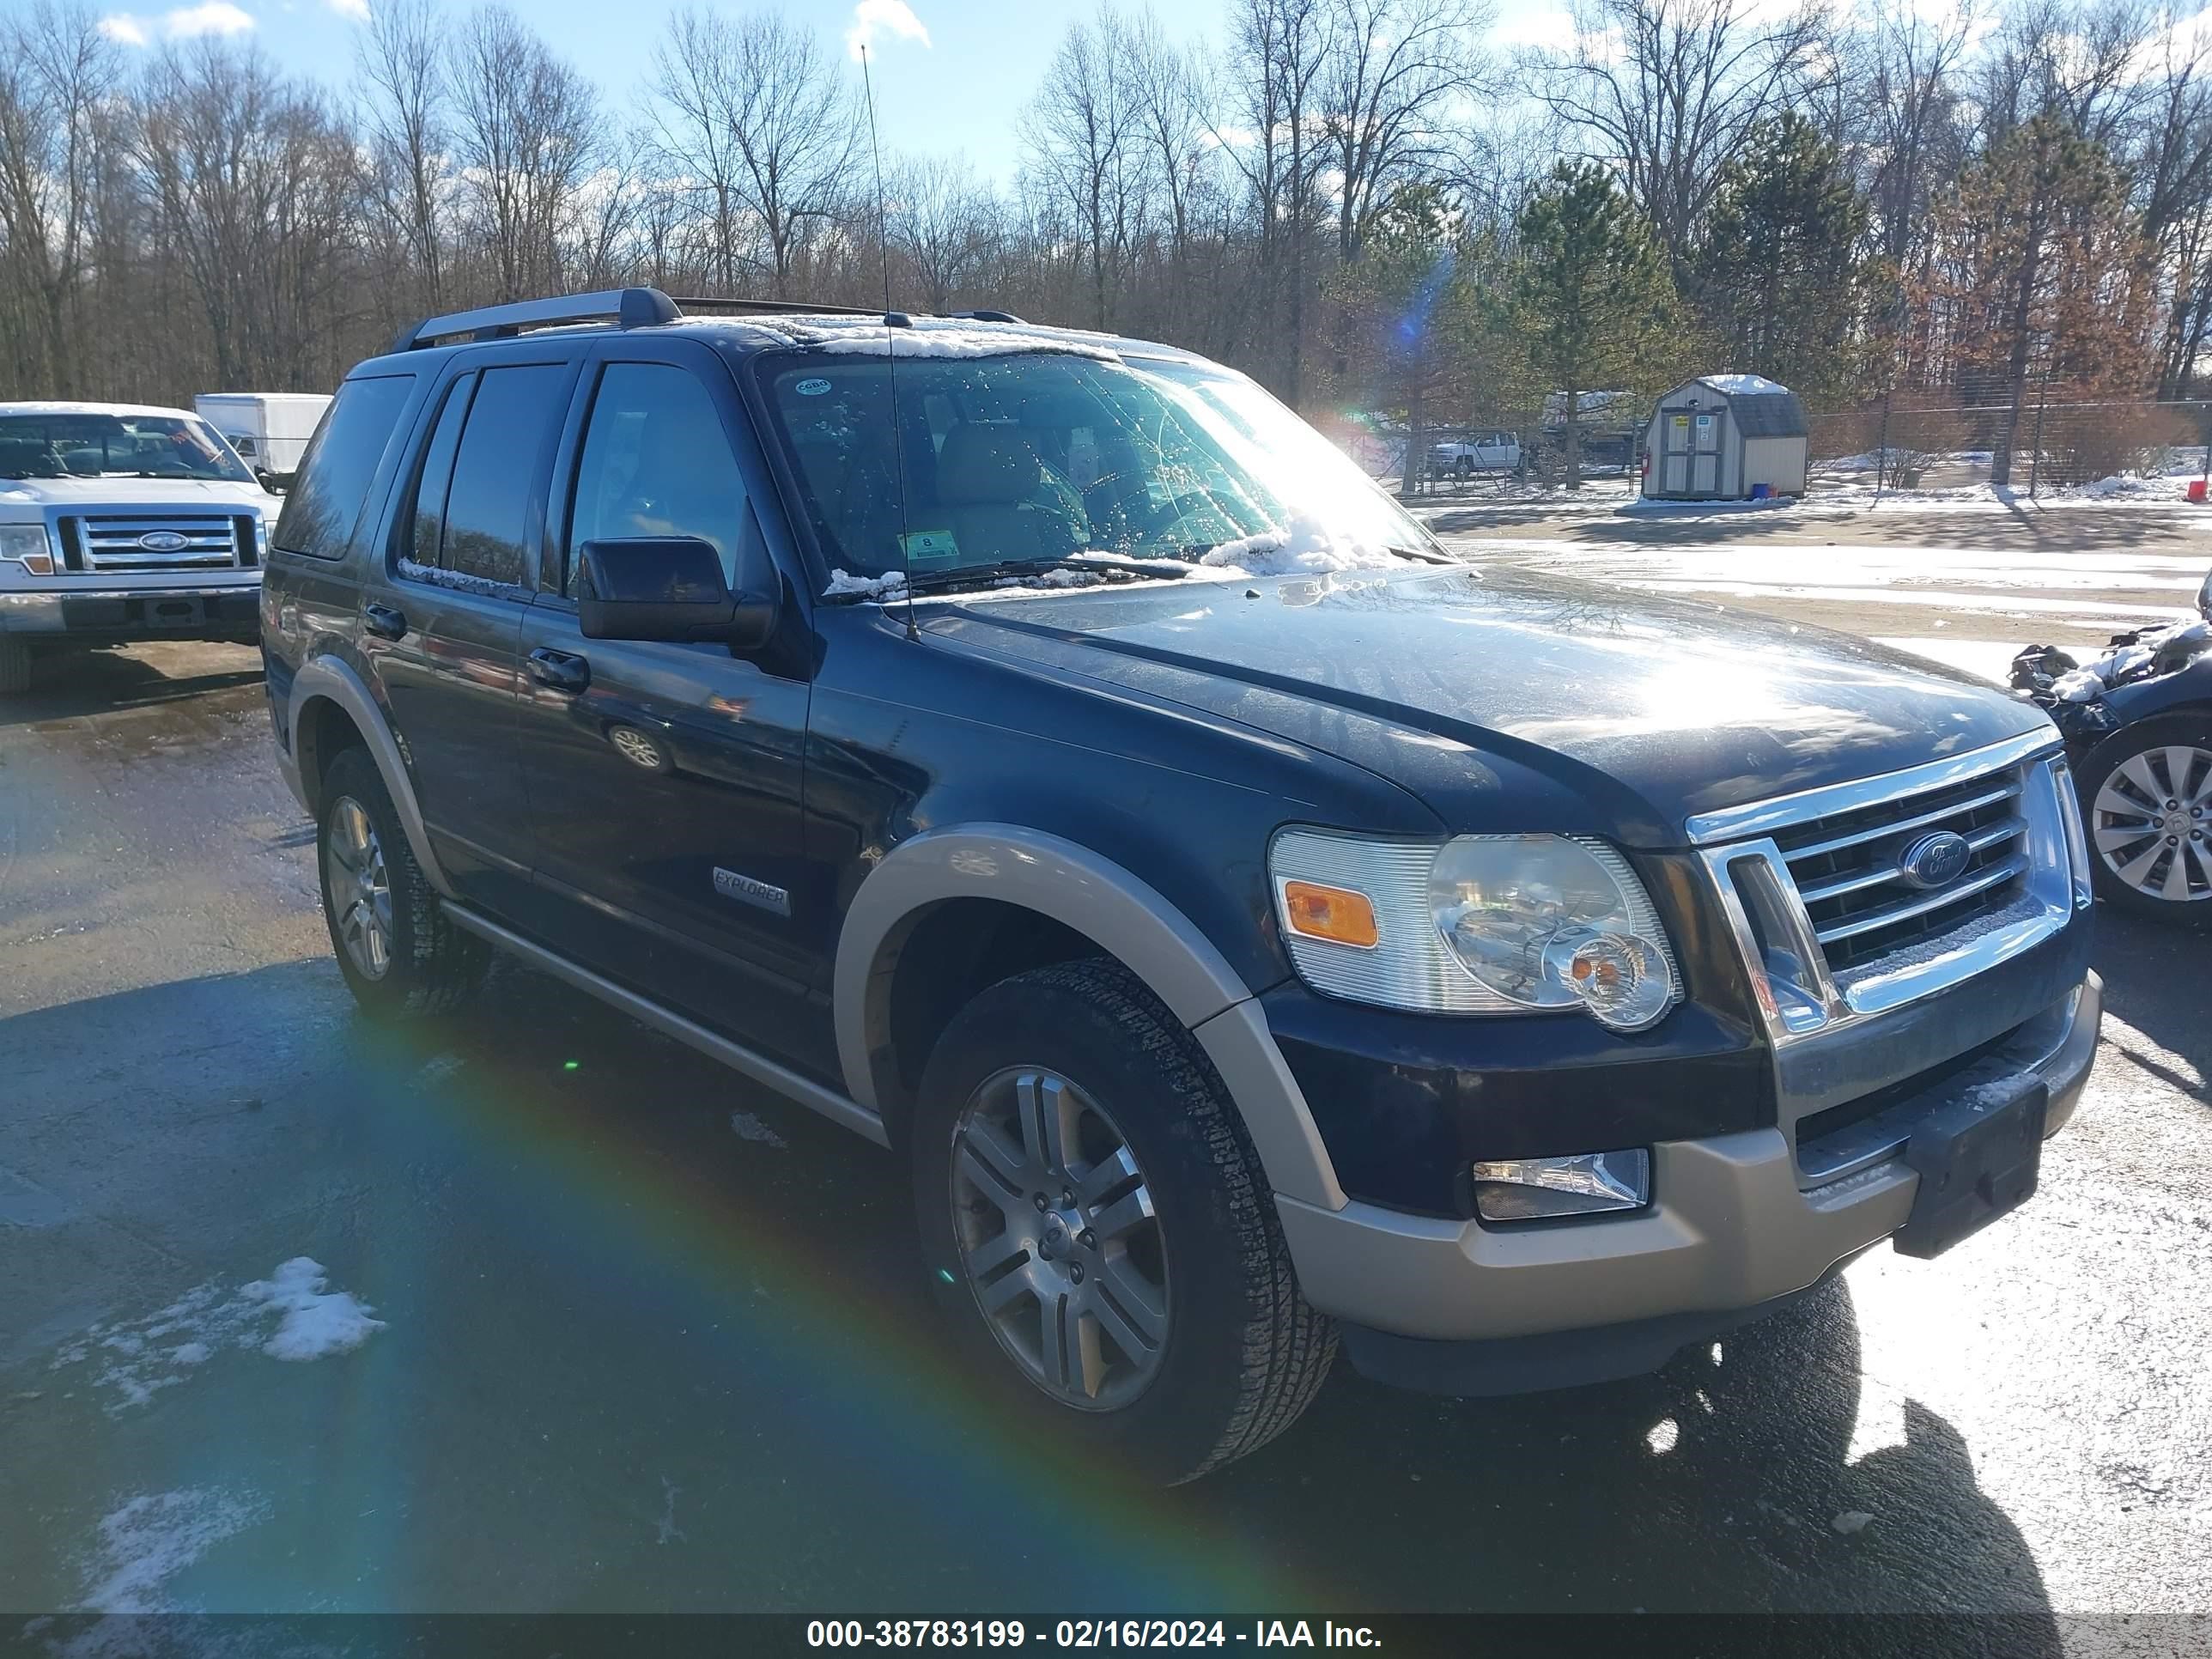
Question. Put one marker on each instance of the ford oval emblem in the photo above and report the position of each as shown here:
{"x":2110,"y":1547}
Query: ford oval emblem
{"x":162,"y":541}
{"x":1935,"y":859}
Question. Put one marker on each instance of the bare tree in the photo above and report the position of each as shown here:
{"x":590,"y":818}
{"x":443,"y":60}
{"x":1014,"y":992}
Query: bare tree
{"x":796,"y":130}
{"x":1280,"y":49}
{"x":944,"y":225}
{"x":1082,"y":132}
{"x":405,"y":120}
{"x":56,"y":73}
{"x":527,"y":136}
{"x":696,"y":69}
{"x":1170,"y":93}
{"x":1397,"y":71}
{"x":1667,"y":91}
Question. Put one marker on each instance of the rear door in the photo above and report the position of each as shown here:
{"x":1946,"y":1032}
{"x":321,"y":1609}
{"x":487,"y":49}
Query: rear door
{"x":443,"y":629}
{"x":665,"y":779}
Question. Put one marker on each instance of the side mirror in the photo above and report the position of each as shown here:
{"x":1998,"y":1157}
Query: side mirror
{"x":2204,"y":597}
{"x":667,"y":588}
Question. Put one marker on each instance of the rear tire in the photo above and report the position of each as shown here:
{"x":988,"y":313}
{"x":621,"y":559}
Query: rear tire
{"x":1151,"y":1213}
{"x":2150,"y":830}
{"x":401,"y":956}
{"x":14,"y":666}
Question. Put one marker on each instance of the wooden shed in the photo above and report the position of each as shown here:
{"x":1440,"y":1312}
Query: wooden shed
{"x":1719,"y":437}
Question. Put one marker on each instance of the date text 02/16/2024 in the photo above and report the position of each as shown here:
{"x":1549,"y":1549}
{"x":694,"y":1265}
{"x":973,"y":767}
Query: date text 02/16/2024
{"x":1081,"y":1634}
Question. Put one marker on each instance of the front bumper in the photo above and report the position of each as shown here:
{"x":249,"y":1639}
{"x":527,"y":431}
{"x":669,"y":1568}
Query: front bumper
{"x":174,"y":610}
{"x":1731,"y":1233}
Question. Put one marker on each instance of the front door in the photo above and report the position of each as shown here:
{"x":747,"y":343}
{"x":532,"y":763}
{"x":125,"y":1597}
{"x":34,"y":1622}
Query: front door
{"x":665,"y":779}
{"x":1705,"y":453}
{"x":444,"y":632}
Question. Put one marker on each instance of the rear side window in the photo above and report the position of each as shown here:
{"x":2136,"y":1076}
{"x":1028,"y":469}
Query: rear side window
{"x":472,"y":501}
{"x":324,"y":507}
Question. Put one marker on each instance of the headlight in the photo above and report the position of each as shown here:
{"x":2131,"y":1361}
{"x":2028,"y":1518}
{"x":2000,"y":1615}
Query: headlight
{"x":1485,"y":924}
{"x":27,"y":545}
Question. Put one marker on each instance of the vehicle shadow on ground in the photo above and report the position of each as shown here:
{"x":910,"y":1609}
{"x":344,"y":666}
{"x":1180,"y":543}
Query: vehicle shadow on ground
{"x":2077,"y":530}
{"x":2154,"y":976}
{"x":68,"y":685}
{"x":617,"y":1280}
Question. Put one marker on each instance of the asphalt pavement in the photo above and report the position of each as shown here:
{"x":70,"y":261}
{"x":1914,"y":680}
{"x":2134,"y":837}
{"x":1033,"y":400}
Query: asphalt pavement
{"x":532,"y":1309}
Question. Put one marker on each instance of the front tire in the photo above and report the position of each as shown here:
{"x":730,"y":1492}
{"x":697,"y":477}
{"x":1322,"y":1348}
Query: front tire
{"x":400,"y":954}
{"x":14,"y":666}
{"x":2146,"y":798}
{"x":1095,"y":1226}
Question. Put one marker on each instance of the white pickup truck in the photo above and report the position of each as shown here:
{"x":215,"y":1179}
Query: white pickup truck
{"x":120,"y":523}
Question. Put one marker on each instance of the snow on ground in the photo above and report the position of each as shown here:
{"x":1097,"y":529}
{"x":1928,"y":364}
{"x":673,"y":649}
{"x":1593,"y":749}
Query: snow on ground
{"x":291,"y":1315}
{"x":150,"y":1539}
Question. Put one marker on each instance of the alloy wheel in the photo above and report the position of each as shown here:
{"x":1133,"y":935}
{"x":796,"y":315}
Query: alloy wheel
{"x":1059,"y":1239}
{"x":360,"y":892}
{"x":2152,"y":822}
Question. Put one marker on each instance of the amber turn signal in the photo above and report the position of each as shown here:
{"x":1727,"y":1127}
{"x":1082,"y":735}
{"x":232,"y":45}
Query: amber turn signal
{"x":1335,"y":914}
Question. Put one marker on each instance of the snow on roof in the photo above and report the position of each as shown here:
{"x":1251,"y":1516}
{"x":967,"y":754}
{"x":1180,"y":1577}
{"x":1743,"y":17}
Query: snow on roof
{"x":95,"y":408}
{"x":1744,"y":386}
{"x":931,"y":338}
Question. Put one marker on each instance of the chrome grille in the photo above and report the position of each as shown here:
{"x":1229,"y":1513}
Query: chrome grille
{"x":1832,"y":929}
{"x":1861,"y":902}
{"x":114,"y":541}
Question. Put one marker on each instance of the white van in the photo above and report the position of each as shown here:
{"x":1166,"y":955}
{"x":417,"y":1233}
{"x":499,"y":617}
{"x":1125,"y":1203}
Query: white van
{"x":268,"y":429}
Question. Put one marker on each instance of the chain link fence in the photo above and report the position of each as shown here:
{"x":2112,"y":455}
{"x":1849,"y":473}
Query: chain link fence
{"x":2051,"y":443}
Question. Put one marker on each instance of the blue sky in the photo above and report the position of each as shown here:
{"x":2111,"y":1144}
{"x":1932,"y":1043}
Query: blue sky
{"x":961,"y":91}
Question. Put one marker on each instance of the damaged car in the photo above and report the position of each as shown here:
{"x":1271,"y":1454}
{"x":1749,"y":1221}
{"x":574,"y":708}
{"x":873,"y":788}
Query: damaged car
{"x":2137,"y":722}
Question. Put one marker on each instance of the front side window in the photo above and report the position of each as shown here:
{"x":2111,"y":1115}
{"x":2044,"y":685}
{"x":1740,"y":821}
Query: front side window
{"x":656,"y":463}
{"x":95,"y":445}
{"x":471,"y":510}
{"x":325,"y":504}
{"x":950,"y":463}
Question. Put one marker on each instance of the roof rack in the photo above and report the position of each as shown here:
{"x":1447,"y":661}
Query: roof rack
{"x":625,"y":308}
{"x":628,"y":307}
{"x":788,"y":307}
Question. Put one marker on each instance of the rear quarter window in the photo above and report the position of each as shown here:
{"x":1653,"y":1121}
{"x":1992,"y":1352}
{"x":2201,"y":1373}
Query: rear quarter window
{"x":321,"y":512}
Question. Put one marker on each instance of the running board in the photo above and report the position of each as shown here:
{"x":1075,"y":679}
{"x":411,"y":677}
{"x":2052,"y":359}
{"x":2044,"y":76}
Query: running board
{"x":761,"y":1069}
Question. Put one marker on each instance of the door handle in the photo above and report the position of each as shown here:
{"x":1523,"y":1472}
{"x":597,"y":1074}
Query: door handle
{"x":559,"y":670}
{"x":385,"y":622}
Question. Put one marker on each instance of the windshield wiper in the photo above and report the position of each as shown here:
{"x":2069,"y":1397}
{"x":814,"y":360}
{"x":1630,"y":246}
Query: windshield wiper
{"x":1003,"y":569}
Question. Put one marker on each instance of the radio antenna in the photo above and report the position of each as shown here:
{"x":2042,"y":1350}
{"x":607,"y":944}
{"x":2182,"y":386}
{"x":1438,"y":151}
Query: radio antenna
{"x":891,"y":320}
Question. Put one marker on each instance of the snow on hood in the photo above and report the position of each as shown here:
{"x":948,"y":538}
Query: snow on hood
{"x":152,"y":494}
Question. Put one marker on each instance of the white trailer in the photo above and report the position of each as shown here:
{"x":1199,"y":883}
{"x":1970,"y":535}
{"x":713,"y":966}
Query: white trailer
{"x":268,"y":429}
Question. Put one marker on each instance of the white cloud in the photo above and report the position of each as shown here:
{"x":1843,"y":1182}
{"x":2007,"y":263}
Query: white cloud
{"x":214,"y":17}
{"x":887,"y":16}
{"x":124,"y":30}
{"x":354,"y":10}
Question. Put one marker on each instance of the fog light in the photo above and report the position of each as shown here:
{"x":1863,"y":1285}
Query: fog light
{"x":1585,"y":1183}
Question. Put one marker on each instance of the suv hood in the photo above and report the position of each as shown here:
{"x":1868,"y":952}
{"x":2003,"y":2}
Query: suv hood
{"x":1644,"y":711}
{"x":90,"y":495}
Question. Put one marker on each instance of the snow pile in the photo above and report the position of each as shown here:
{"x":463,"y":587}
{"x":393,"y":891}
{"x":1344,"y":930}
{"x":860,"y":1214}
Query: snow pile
{"x":888,"y":586}
{"x":154,"y":1537}
{"x":291,"y":1315}
{"x":316,"y":1321}
{"x":1234,"y":555}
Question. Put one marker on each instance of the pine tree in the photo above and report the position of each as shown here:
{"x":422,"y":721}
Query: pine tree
{"x":1589,"y":305}
{"x":1780,"y":275}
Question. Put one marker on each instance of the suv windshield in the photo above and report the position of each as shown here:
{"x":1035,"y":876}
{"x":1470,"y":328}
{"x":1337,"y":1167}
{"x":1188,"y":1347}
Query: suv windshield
{"x":1034,"y":457}
{"x":93,"y":445}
